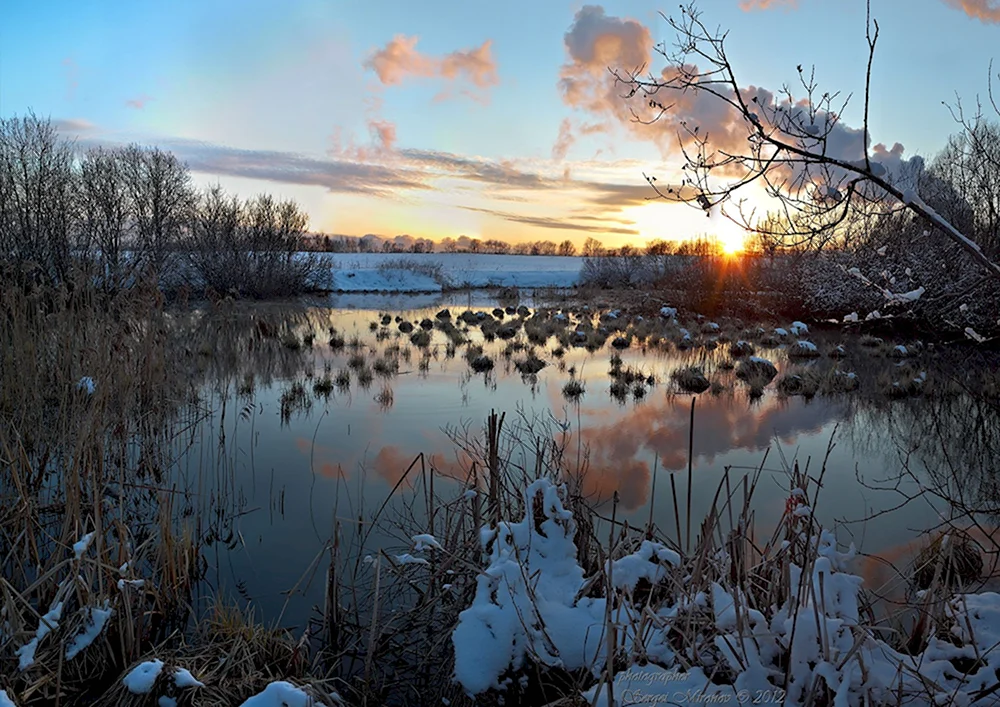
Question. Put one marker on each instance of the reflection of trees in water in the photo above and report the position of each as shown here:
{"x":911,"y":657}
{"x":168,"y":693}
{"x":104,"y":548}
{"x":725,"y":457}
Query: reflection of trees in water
{"x":143,"y":431}
{"x":235,"y":344}
{"x":949,"y":444}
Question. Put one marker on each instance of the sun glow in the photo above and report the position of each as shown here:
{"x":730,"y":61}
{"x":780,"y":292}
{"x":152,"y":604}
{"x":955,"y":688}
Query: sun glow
{"x":732,"y":238}
{"x":679,"y":223}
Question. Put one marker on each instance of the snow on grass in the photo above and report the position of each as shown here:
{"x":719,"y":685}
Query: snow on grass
{"x":425,"y":541}
{"x":282,"y":694}
{"x":384,"y":280}
{"x":532,"y":607}
{"x":974,"y":335}
{"x":95,"y":620}
{"x":81,"y":545}
{"x":48,"y":623}
{"x":904,"y":297}
{"x":512,"y":617}
{"x":141,"y":678}
{"x":803,"y":349}
{"x":798,"y":328}
{"x":648,"y":562}
{"x":87,"y":385}
{"x":408,"y":559}
{"x":183,"y":678}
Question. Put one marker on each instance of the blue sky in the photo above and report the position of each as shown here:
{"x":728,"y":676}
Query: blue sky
{"x":285,"y":97}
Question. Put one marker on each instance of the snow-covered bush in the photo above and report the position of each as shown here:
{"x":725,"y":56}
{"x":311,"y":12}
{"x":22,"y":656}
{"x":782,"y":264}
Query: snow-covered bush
{"x":787,"y":627}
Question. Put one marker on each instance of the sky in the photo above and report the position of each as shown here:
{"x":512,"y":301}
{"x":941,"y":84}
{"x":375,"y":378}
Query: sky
{"x":446,"y":118}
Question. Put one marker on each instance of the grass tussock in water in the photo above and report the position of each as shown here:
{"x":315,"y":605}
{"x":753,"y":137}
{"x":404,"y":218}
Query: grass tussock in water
{"x":574,"y":390}
{"x":421,"y":338}
{"x":799,"y":381}
{"x":530,"y":364}
{"x":691,"y":379}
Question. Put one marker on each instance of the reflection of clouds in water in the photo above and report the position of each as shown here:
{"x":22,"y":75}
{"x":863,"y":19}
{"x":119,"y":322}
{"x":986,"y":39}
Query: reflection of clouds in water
{"x":663,"y":427}
{"x":391,"y":464}
{"x":620,"y":451}
{"x":322,"y":459}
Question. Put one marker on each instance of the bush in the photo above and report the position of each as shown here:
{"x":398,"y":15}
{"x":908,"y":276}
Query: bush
{"x":252,"y":248}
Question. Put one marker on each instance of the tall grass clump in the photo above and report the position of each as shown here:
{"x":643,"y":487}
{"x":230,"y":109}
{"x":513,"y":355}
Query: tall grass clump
{"x":101,"y":536}
{"x":71,"y":416}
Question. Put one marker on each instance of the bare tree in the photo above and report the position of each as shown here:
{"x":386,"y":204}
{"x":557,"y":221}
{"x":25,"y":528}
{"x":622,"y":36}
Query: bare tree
{"x":159,"y":186}
{"x":795,"y":147}
{"x":593,"y":248}
{"x":106,"y":213}
{"x":543,"y":248}
{"x":37,"y":197}
{"x":251,"y":248}
{"x":496,"y":246}
{"x":969,"y":166}
{"x":567,"y":249}
{"x":660,"y":248}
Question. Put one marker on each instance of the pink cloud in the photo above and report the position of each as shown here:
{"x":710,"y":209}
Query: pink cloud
{"x":400,"y":59}
{"x":750,"y":5}
{"x":384,"y":133}
{"x":987,"y":11}
{"x":382,"y":146}
{"x":564,"y":141}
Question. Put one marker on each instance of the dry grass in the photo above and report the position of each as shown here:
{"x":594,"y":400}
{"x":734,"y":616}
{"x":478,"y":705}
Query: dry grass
{"x":722,"y":549}
{"x":71,"y":470}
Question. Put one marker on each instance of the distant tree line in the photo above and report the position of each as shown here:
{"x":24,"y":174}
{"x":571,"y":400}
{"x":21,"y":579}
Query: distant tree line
{"x":371,"y":243}
{"x":121,"y":214}
{"x":592,"y":248}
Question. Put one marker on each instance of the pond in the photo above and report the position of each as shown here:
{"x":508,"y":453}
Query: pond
{"x":314,"y":418}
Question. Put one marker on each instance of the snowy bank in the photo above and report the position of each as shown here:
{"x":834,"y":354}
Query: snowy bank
{"x":535,"y":606}
{"x":432,"y":272}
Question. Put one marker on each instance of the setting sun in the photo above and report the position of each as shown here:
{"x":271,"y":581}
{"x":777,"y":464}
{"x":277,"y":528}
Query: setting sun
{"x":732,"y":238}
